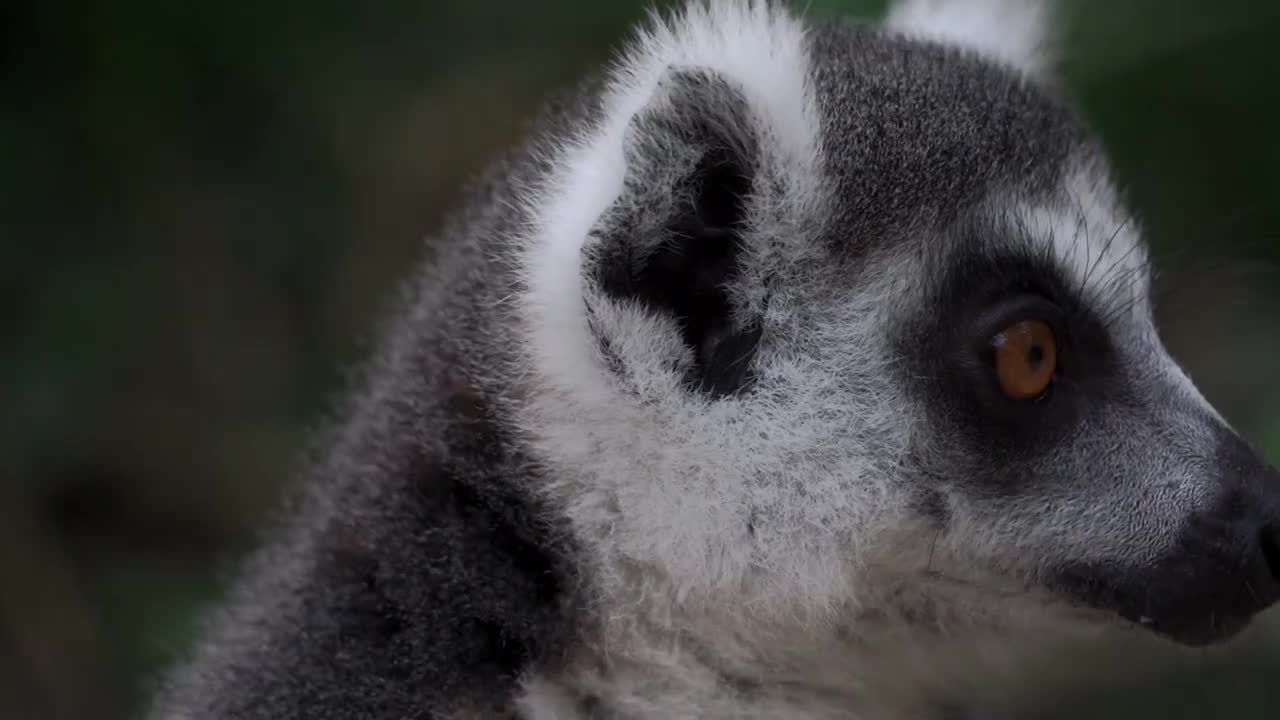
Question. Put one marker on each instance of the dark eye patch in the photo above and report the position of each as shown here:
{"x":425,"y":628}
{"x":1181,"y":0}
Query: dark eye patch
{"x":977,"y":292}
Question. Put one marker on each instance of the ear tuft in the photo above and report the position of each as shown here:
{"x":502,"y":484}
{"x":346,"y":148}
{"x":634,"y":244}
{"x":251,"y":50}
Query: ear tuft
{"x":1018,"y":32}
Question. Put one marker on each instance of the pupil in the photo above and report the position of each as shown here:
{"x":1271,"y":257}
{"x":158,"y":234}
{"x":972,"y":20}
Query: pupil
{"x":1035,"y":356}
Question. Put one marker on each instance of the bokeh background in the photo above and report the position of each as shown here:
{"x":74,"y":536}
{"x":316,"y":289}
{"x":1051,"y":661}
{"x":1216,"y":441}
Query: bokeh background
{"x":204,"y":206}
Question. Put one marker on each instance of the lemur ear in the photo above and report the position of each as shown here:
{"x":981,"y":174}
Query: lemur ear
{"x":1018,"y":32}
{"x":674,"y":239}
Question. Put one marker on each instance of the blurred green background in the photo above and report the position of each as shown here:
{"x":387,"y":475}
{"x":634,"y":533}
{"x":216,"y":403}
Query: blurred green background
{"x":203,"y":206}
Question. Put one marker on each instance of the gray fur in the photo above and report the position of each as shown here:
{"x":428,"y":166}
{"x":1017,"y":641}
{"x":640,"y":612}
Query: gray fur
{"x":529,"y":510}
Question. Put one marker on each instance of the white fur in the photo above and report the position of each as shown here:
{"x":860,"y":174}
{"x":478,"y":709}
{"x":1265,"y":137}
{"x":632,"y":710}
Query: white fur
{"x":698,"y":525}
{"x":1095,"y":239}
{"x":1014,"y":31}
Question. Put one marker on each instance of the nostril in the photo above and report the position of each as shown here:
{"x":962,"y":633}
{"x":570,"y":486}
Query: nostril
{"x":1270,"y":545}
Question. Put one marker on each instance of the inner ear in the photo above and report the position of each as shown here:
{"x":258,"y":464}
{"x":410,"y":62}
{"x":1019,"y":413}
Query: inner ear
{"x":688,"y":272}
{"x":720,"y":192}
{"x":694,"y":268}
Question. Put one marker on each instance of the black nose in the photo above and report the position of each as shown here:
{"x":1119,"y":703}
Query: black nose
{"x":1269,"y":550}
{"x":1250,"y":511}
{"x":1251,"y":488}
{"x":1222,"y":569}
{"x":1226,"y":567}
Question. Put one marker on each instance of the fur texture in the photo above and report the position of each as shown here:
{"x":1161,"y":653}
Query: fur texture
{"x":1018,"y":32}
{"x":704,"y":426}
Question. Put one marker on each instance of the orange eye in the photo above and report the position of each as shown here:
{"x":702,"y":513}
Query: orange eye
{"x":1026,"y":358}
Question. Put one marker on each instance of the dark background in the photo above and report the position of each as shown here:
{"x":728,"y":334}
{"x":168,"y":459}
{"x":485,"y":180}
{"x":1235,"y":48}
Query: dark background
{"x":203,"y":206}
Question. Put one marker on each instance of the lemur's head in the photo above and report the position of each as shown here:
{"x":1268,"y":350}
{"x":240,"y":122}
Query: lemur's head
{"x":827,"y":319}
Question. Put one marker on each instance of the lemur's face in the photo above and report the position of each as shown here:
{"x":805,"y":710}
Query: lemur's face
{"x":832,"y":318}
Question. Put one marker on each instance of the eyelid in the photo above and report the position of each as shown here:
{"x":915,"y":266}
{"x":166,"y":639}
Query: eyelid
{"x":1003,"y":313}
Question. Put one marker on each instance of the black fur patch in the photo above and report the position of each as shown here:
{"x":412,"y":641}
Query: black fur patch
{"x":683,"y":264}
{"x":976,"y":295}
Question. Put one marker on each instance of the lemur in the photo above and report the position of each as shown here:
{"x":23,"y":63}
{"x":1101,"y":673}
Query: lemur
{"x":782,"y":342}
